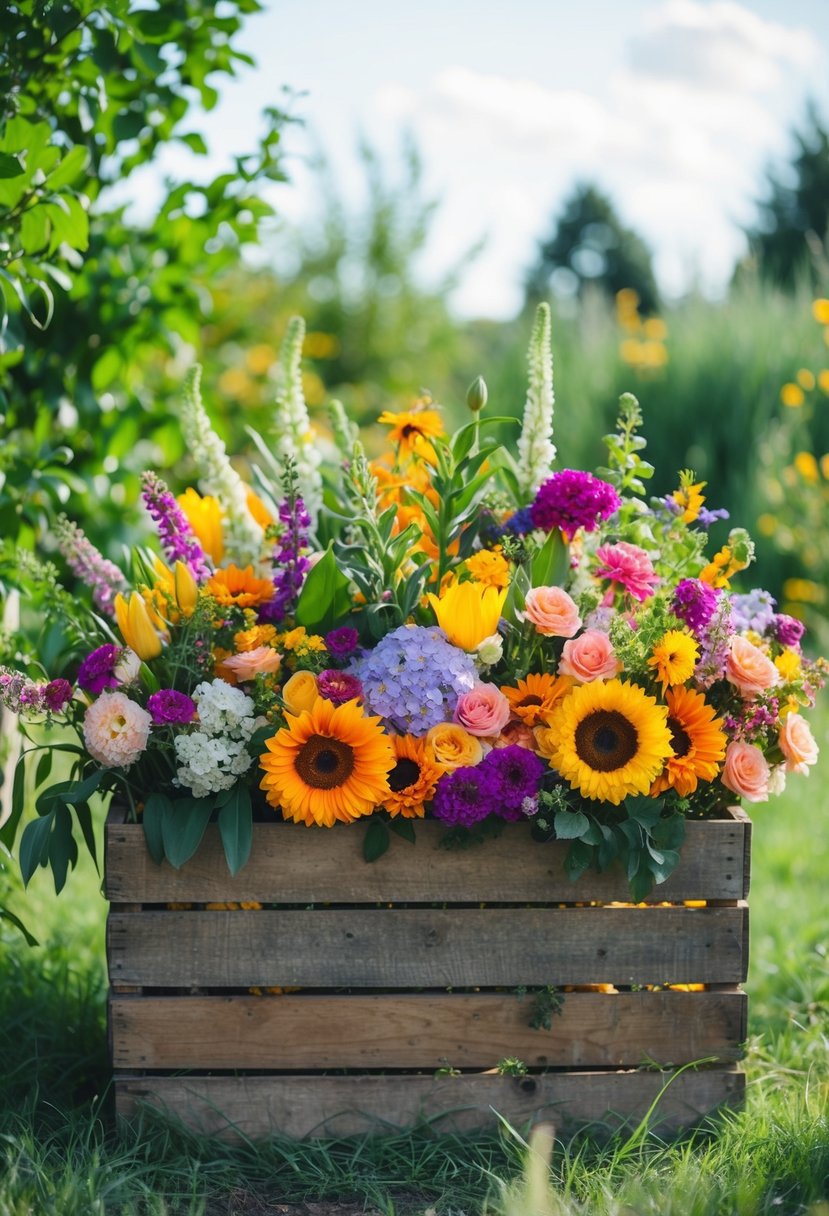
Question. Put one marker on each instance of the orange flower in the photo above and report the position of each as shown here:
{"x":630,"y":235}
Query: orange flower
{"x":258,"y":509}
{"x":413,"y":429}
{"x":413,"y":779}
{"x":240,"y":587}
{"x":535,"y":696}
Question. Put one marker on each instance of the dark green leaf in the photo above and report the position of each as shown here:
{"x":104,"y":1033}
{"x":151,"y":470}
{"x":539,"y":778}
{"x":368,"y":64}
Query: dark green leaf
{"x":551,"y":562}
{"x":579,"y":858}
{"x":644,"y":810}
{"x":404,"y":828}
{"x":34,"y":845}
{"x":85,"y":820}
{"x":63,"y":851}
{"x":10,"y":166}
{"x":156,"y":807}
{"x":570,"y":825}
{"x":641,"y":884}
{"x":183,"y":825}
{"x":324,"y":597}
{"x":662,"y":870}
{"x":376,"y":839}
{"x":44,"y":767}
{"x":9,"y":828}
{"x":236,"y":827}
{"x":5,"y":914}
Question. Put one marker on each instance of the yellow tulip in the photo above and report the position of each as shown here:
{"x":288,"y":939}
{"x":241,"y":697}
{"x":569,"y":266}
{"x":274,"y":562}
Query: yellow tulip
{"x":468,"y":612}
{"x":136,"y":627}
{"x":205,"y":518}
{"x":187,"y":591}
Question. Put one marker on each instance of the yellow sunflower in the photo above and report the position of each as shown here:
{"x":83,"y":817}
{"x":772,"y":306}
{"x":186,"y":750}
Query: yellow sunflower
{"x":608,"y":739}
{"x":534,"y":697}
{"x":329,"y":763}
{"x":674,"y":657}
{"x":413,"y":779}
{"x":698,"y":743}
{"x":231,"y":585}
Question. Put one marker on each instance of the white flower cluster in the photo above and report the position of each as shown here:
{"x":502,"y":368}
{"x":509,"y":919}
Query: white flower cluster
{"x":214,"y":755}
{"x":536,"y":450}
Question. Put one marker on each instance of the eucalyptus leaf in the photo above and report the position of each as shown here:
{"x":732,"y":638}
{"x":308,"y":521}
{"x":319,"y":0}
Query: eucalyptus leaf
{"x":570,"y":825}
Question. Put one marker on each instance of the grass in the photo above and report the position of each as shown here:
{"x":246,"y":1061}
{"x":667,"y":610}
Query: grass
{"x":60,"y":1154}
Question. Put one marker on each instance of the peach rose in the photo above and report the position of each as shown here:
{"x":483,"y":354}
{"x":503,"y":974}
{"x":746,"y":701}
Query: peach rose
{"x":516,"y":734}
{"x":454,"y":747}
{"x":552,"y":611}
{"x":484,"y":710}
{"x":300,"y":692}
{"x":797,"y":744}
{"x":750,"y":670}
{"x":250,"y":663}
{"x":589,"y":657}
{"x":746,"y":772}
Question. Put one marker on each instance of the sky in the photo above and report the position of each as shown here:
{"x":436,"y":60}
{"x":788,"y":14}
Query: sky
{"x":673,"y":107}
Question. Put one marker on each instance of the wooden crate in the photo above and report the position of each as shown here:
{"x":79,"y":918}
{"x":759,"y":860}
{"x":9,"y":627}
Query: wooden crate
{"x":415,"y":965}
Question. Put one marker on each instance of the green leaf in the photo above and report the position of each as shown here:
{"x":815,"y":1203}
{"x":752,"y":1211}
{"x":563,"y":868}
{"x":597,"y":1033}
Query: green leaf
{"x":183,"y":826}
{"x":44,"y":768}
{"x":646,"y":811}
{"x":662,"y":870}
{"x":70,"y":167}
{"x":63,"y":850}
{"x":10,"y":166}
{"x":5,"y":914}
{"x":155,"y":809}
{"x":34,"y":845}
{"x":579,"y":858}
{"x":236,"y":827}
{"x":404,"y":828}
{"x":9,"y":828}
{"x":85,"y":820}
{"x":324,"y":597}
{"x":551,"y":562}
{"x":570,"y":825}
{"x":376,"y":839}
{"x":641,"y":884}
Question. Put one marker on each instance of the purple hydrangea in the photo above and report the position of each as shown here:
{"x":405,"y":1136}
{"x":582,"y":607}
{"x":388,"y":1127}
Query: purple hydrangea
{"x":413,"y":678}
{"x":338,"y":686}
{"x":787,"y":630}
{"x":171,"y":708}
{"x":755,"y":610}
{"x":97,"y":671}
{"x":695,"y":603}
{"x":572,"y":499}
{"x":511,"y":774}
{"x":461,"y":799}
{"x":342,"y":642}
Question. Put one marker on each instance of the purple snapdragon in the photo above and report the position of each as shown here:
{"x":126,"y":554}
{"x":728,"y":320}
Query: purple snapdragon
{"x":178,"y":540}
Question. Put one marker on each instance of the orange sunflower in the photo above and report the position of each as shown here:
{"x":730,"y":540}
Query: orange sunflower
{"x":329,"y":763}
{"x":240,"y":587}
{"x":413,"y":779}
{"x":535,"y":696}
{"x":698,"y":743}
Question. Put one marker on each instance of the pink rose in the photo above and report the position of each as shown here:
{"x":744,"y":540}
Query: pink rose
{"x":589,"y":657}
{"x":749,"y":669}
{"x":797,"y":744}
{"x":250,"y":663}
{"x":552,"y":611}
{"x":484,"y":710}
{"x":746,"y":772}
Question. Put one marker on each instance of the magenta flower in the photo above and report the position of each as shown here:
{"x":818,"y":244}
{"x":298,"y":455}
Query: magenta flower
{"x":695,"y":603}
{"x":171,"y":708}
{"x":629,"y":567}
{"x":178,"y":540}
{"x":56,"y":695}
{"x":572,"y":499}
{"x":97,"y":671}
{"x":338,"y":686}
{"x":342,"y":642}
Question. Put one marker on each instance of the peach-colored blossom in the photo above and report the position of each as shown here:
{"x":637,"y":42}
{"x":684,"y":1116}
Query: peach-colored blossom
{"x":453,"y":746}
{"x":746,"y":772}
{"x":750,"y":670}
{"x":249,"y":664}
{"x":797,"y":744}
{"x":516,"y":734}
{"x":589,"y":657}
{"x":116,"y":730}
{"x":483,"y":711}
{"x":552,"y":611}
{"x":300,"y":692}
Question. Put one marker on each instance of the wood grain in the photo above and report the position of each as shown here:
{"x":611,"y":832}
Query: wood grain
{"x":291,"y":864}
{"x":301,"y":1106}
{"x":428,"y":948}
{"x":464,"y":1030}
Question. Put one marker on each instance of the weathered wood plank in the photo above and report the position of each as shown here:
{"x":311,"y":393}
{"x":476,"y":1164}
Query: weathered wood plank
{"x":299,"y":1106}
{"x":428,"y":948}
{"x":290,"y":864}
{"x":464,"y":1030}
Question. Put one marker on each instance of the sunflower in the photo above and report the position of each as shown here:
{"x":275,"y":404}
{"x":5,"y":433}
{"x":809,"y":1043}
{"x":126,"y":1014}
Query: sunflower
{"x":608,"y":739}
{"x":329,"y":763}
{"x":413,"y":429}
{"x":534,"y":697}
{"x":240,"y":587}
{"x":674,"y":657}
{"x":698,"y":743}
{"x":413,"y":779}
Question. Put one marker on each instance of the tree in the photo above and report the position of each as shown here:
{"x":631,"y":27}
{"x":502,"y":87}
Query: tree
{"x":590,"y":245}
{"x":790,"y":238}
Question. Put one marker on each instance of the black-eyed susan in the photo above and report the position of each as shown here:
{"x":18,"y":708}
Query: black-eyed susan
{"x":674,"y":657}
{"x":608,"y":739}
{"x":329,"y":763}
{"x":412,"y":429}
{"x":698,"y":743}
{"x":414,"y":777}
{"x":534,"y":696}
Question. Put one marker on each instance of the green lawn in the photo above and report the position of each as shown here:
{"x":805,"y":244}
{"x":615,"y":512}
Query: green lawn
{"x":59,"y":1153}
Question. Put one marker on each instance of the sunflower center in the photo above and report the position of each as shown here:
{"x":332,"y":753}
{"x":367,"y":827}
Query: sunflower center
{"x":680,"y":740}
{"x":531,"y":699}
{"x":606,"y":740}
{"x":409,"y":429}
{"x":324,"y":763}
{"x":404,"y":774}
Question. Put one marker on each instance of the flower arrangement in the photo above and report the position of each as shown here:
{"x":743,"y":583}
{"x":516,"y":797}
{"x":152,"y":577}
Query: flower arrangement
{"x":453,"y":629}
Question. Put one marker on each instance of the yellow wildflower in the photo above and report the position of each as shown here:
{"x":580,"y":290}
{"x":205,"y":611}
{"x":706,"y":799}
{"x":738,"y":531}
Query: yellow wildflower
{"x":806,"y":379}
{"x":489,"y":568}
{"x":788,"y":664}
{"x":820,"y":311}
{"x":250,"y":639}
{"x":294,"y":638}
{"x":674,"y":657}
{"x":807,"y":467}
{"x":689,"y":498}
{"x":823,"y":380}
{"x":792,"y":395}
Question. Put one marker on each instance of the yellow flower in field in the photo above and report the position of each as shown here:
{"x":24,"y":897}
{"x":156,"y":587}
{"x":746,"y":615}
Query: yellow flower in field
{"x":689,"y":498}
{"x":414,"y":777}
{"x":413,"y":429}
{"x":489,"y":569}
{"x":824,"y":465}
{"x":630,"y":351}
{"x":328,"y":764}
{"x":806,"y":379}
{"x":608,"y":739}
{"x":804,"y":590}
{"x":468,"y":612}
{"x":204,"y":516}
{"x":820,"y":311}
{"x":807,"y":467}
{"x":532,"y":698}
{"x":656,"y":329}
{"x":789,"y":665}
{"x":792,"y":395}
{"x":722,"y":566}
{"x":674,"y":657}
{"x":823,"y":380}
{"x":698,"y":743}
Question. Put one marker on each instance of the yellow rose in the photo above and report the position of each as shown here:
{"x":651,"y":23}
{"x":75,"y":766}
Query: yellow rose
{"x":300,"y":692}
{"x":454,"y":747}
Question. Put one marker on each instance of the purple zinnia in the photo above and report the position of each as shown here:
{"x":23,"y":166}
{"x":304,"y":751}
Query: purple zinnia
{"x":511,"y":775}
{"x":97,"y":671}
{"x":787,"y":630}
{"x":338,"y":686}
{"x":695,"y":603}
{"x":572,"y":499}
{"x":342,"y":642}
{"x":171,"y":708}
{"x":461,"y":799}
{"x":57,"y":694}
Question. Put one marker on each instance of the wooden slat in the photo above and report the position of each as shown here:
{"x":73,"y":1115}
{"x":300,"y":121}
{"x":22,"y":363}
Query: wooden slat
{"x":464,"y":1030}
{"x":290,"y":864}
{"x":428,"y":948}
{"x":300,"y":1106}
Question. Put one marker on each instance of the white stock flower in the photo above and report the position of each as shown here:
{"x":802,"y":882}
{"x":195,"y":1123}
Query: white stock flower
{"x":536,"y":450}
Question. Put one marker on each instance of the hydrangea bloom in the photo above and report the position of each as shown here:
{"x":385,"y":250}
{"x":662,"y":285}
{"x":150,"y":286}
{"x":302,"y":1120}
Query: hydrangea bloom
{"x":413,"y":678}
{"x":572,"y":499}
{"x":755,"y":610}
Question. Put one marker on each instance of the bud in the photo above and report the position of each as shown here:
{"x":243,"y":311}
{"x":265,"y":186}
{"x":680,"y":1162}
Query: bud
{"x":187,"y":592}
{"x":490,"y":650}
{"x":136,"y":627}
{"x":476,"y":394}
{"x":127,"y":668}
